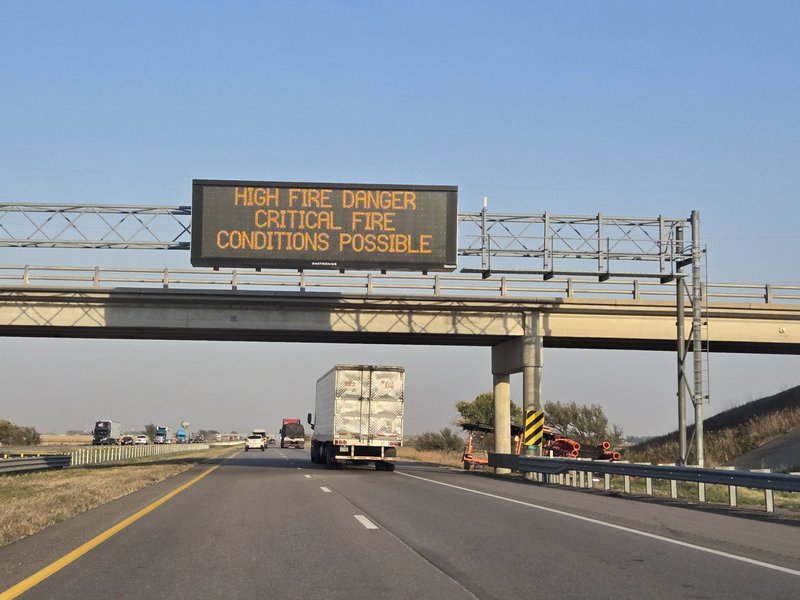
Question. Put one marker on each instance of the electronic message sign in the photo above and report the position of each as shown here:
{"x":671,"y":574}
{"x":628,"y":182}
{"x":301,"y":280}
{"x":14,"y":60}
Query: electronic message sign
{"x":324,"y":225}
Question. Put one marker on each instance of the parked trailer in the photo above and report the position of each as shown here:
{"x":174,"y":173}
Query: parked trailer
{"x":359,"y":416}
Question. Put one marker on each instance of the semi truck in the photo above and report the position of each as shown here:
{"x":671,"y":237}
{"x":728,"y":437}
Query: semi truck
{"x":293,"y":434}
{"x":358,"y":416}
{"x":181,"y":435}
{"x":162,"y":435}
{"x":106,"y":432}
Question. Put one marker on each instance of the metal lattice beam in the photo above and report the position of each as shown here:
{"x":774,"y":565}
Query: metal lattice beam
{"x":95,"y":226}
{"x":595,"y":245}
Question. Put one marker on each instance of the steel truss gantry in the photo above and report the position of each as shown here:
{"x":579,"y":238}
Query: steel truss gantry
{"x":594,"y":246}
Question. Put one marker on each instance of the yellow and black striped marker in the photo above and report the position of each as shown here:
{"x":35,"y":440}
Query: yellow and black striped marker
{"x":534,"y":427}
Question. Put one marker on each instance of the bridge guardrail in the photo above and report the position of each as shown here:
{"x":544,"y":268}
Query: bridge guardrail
{"x":573,"y":472}
{"x":22,"y":464}
{"x":376,"y":284}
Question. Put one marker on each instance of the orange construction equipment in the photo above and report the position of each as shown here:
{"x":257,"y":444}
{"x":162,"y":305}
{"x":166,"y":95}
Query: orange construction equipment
{"x":469,"y":459}
{"x":554,"y":444}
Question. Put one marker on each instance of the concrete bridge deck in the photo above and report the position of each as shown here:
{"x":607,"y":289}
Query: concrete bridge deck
{"x":644,"y":323}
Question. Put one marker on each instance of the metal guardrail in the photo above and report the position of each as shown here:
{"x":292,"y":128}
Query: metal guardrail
{"x":377,"y":284}
{"x":565,"y":471}
{"x":21,"y":464}
{"x":94,"y":455}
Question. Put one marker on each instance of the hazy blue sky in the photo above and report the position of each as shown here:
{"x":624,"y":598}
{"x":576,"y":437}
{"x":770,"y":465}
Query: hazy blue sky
{"x":625,"y":108}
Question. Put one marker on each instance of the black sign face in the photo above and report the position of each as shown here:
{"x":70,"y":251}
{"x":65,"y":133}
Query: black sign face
{"x":324,"y":226}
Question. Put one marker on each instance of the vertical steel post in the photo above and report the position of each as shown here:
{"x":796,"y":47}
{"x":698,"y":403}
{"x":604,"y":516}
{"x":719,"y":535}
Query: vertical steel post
{"x":680,"y":290}
{"x":484,"y":237}
{"x":697,"y":340}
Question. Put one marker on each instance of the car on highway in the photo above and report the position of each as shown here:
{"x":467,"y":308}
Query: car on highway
{"x":254,"y":442}
{"x":127,"y":440}
{"x":141,"y":439}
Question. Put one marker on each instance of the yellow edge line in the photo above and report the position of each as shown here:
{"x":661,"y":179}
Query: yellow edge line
{"x":35,"y":579}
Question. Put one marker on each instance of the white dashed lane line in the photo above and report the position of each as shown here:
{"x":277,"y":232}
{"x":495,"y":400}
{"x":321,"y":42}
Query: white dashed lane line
{"x":326,"y":490}
{"x":365,"y":522}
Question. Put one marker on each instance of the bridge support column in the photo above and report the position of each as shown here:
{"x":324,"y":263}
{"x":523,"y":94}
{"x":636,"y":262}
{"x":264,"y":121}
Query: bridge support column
{"x":523,"y":354}
{"x":532,"y":364}
{"x":502,"y":417}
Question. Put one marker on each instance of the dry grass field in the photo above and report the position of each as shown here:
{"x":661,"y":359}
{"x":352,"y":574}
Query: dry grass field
{"x":50,"y":439}
{"x":448,"y":459}
{"x":30,"y":502}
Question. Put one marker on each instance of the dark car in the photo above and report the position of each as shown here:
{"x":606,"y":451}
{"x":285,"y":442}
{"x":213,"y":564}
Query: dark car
{"x":127,"y":440}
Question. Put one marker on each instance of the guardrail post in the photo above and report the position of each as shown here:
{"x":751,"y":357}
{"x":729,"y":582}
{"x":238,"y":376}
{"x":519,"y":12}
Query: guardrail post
{"x":673,"y":483}
{"x":581,"y":479}
{"x":589,"y":480}
{"x":607,"y":481}
{"x":732,"y":489}
{"x":701,"y":492}
{"x":769,"y":495}
{"x":648,"y":482}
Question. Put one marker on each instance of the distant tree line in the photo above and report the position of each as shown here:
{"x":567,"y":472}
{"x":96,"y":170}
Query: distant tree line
{"x":15,"y":435}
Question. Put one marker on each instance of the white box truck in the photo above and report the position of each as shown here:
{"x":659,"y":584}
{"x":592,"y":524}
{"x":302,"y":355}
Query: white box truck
{"x":358,"y":416}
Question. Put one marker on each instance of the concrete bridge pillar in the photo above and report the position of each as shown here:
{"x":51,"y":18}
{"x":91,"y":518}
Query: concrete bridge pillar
{"x":502,"y":417}
{"x":524,"y":354}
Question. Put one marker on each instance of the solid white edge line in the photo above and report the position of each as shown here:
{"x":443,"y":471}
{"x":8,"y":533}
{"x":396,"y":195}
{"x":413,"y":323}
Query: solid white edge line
{"x":365,"y":522}
{"x":654,"y":536}
{"x":326,"y":490}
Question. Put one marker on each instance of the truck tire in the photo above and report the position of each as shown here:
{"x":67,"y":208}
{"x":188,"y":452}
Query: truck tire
{"x":327,"y":452}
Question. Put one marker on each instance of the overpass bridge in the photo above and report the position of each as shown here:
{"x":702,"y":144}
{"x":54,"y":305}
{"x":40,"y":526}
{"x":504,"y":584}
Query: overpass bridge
{"x":203,"y":304}
{"x":508,"y":295}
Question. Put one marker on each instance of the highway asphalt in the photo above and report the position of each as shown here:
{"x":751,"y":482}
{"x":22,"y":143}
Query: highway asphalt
{"x":273,"y":525}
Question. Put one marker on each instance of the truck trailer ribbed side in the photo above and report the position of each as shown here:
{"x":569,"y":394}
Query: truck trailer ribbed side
{"x":358,"y":416}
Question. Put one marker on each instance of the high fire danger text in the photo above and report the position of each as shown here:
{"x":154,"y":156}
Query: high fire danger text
{"x":324,"y":226}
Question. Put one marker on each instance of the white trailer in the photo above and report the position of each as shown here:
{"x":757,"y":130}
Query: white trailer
{"x":359,"y":416}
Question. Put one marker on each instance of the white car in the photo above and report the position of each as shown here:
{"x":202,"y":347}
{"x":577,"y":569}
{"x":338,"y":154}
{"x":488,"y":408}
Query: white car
{"x":141,"y":439}
{"x":254,"y":442}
